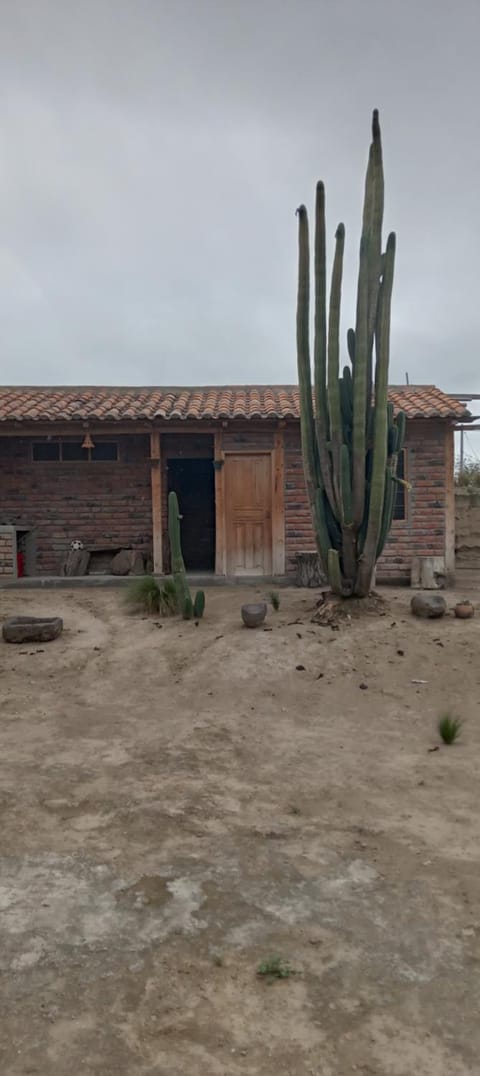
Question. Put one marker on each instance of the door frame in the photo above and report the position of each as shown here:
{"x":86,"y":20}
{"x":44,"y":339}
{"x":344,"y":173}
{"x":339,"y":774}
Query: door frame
{"x":277,"y":452}
{"x":277,"y":457}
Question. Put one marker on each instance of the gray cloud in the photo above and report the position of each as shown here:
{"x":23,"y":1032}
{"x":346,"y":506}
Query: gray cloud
{"x":153,"y":154}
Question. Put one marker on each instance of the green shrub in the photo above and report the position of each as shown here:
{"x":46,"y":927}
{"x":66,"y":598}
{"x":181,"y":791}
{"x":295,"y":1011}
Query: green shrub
{"x":275,"y":600}
{"x":143,"y":594}
{"x":469,"y":476}
{"x":275,"y":967}
{"x":449,"y":728}
{"x":168,"y":598}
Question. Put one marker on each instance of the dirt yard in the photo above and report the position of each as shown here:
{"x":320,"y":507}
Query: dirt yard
{"x":180,"y":803}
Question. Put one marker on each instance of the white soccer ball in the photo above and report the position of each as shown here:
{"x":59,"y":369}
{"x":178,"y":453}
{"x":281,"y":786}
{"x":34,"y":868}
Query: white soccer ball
{"x":76,"y":544}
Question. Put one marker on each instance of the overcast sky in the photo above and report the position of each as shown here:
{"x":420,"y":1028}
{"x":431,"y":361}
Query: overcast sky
{"x":153,"y":153}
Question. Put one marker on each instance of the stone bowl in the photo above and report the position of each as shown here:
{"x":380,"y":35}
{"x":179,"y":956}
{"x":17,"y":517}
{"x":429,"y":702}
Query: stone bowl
{"x":254,"y":614}
{"x":32,"y":629}
{"x":428,"y":605}
{"x":464,"y":610}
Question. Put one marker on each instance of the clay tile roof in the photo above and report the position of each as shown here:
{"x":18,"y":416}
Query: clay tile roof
{"x":229,"y":402}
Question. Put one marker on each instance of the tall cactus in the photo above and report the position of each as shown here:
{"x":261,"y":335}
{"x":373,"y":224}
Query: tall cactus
{"x":350,"y":439}
{"x":185,"y":605}
{"x":178,"y":567}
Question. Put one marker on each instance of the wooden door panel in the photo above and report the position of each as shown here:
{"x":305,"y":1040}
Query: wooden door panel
{"x":251,"y":557}
{"x":248,"y":503}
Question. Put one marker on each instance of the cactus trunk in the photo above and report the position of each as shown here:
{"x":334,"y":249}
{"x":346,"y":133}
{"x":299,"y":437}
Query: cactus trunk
{"x":350,"y":440}
{"x":178,"y":567}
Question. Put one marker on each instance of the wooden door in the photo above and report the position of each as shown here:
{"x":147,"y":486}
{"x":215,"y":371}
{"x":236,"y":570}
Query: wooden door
{"x":248,"y":514}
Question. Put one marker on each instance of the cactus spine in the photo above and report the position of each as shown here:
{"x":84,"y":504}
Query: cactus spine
{"x":350,"y":441}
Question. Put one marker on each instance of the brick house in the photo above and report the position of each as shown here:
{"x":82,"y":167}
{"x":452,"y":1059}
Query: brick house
{"x":96,"y":464}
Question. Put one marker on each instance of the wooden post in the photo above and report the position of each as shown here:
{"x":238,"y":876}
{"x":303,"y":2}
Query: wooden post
{"x":220,"y":547}
{"x":278,"y":504}
{"x":156,"y":480}
{"x":450,"y":505}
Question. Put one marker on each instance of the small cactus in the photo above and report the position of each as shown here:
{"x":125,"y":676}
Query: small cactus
{"x":199,"y":605}
{"x":188,"y":608}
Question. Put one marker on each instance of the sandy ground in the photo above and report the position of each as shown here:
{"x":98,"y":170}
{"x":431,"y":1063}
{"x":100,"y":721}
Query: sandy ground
{"x":179,"y":803}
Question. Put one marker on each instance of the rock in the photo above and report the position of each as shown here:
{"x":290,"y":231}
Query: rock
{"x":76,"y":562}
{"x":137,"y":564}
{"x":127,"y":562}
{"x":429,"y":605}
{"x":121,"y":563}
{"x":31,"y":629}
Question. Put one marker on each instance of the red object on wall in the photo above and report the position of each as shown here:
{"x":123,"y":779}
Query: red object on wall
{"x":20,"y":565}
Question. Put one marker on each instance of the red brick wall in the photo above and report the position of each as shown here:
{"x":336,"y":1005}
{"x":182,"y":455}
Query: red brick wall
{"x":423,"y":531}
{"x":110,"y":503}
{"x":298,"y":522}
{"x":100,"y":503}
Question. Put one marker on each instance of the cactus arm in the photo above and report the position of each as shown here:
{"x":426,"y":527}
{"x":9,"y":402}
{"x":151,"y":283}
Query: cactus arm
{"x":401,"y":424}
{"x":376,"y":221}
{"x":375,"y":268}
{"x":320,"y":344}
{"x":377,"y":491}
{"x":367,"y":302}
{"x":351,"y":345}
{"x":307,"y":425}
{"x":333,"y":571}
{"x":321,"y":528}
{"x":392,"y":442}
{"x":334,"y":401}
{"x":360,"y":397}
{"x":387,"y":515}
{"x":346,"y":487}
{"x":320,"y":338}
{"x":346,"y":396}
{"x":349,"y":541}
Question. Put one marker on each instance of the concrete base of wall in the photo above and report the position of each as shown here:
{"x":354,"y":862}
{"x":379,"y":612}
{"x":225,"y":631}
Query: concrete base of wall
{"x":61,"y":582}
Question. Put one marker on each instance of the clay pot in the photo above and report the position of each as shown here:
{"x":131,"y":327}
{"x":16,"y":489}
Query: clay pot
{"x":32,"y":629}
{"x":253,"y":615}
{"x":464,"y":610}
